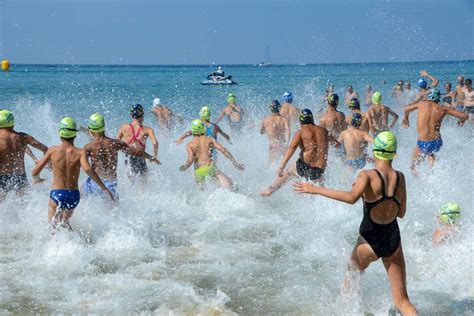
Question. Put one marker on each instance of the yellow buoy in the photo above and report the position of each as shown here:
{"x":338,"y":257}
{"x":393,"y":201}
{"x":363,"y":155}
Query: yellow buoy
{"x":5,"y":65}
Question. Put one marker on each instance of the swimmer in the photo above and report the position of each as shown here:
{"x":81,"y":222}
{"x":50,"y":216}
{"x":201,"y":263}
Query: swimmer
{"x":200,"y":154}
{"x":459,"y":92}
{"x":468,"y":98}
{"x":332,"y":120}
{"x":423,"y":85}
{"x":368,"y":95}
{"x":408,"y":93}
{"x":163,"y":114}
{"x":350,"y":94}
{"x":449,"y":96}
{"x":13,"y":146}
{"x":102,"y":153}
{"x":430,"y":117}
{"x":448,"y":217}
{"x":383,"y":192}
{"x":212,"y":129}
{"x":277,"y":129}
{"x":378,"y":115}
{"x":397,"y":91}
{"x":67,"y":161}
{"x":288,"y":110}
{"x":313,"y":141}
{"x":233,"y":112}
{"x":355,"y":143}
{"x":135,"y":134}
{"x":354,"y":106}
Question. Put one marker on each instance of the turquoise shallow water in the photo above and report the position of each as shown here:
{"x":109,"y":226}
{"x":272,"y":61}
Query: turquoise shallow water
{"x":171,"y":248}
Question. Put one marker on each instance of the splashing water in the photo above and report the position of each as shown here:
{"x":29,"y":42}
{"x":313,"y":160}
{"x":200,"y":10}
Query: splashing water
{"x":173,"y":249}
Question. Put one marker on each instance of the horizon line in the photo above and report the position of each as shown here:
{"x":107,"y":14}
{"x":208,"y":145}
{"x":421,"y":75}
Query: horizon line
{"x":243,"y":64}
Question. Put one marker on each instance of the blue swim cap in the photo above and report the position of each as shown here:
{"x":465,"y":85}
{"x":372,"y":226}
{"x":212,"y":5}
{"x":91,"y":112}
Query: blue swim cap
{"x":333,"y":99}
{"x":306,"y":117}
{"x":137,"y":111}
{"x":434,"y":95}
{"x":354,"y":103}
{"x":287,"y":97}
{"x":422,"y":83}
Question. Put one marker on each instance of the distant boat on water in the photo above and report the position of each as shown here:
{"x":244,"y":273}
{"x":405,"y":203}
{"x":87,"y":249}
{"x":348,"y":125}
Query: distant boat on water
{"x":267,"y":61}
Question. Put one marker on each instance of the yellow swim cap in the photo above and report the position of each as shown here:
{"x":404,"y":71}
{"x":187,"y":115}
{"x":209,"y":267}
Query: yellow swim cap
{"x":96,"y":123}
{"x":205,"y":113}
{"x":67,"y":128}
{"x":231,"y":98}
{"x":449,"y":213}
{"x":197,"y":127}
{"x":376,"y":97}
{"x":385,"y":146}
{"x":6,"y":119}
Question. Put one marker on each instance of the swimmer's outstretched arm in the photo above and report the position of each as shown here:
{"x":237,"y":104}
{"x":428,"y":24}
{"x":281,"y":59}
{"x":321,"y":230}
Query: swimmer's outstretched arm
{"x":190,"y":159}
{"x":349,"y":197}
{"x":463,"y":117}
{"x":289,"y":152}
{"x":394,"y":115}
{"x":406,"y":113}
{"x":31,"y":154}
{"x":40,"y":166}
{"x":154,"y":142}
{"x":181,"y":138}
{"x":220,"y":131}
{"x":220,"y":116}
{"x":228,"y":155}
{"x":132,"y":151}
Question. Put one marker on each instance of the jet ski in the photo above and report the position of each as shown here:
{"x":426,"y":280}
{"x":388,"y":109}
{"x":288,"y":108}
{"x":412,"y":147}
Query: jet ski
{"x":218,"y":80}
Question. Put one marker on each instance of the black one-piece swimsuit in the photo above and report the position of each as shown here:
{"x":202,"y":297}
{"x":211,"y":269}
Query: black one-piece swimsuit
{"x":383,"y":238}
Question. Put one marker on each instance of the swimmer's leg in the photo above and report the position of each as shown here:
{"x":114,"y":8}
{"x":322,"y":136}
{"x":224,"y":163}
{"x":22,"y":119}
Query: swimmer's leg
{"x":361,"y":257}
{"x":431,"y":160}
{"x":280,"y":181}
{"x":395,"y":266}
{"x":224,"y":181}
{"x":416,"y":159}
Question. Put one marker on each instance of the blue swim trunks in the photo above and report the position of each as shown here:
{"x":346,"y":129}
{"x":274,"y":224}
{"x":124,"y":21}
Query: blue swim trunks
{"x":66,"y":199}
{"x":92,"y":188}
{"x":429,"y":147}
{"x":357,"y":163}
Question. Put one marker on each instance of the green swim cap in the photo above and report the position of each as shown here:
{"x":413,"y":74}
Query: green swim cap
{"x":67,"y":128}
{"x":376,"y":97}
{"x":6,"y":119}
{"x":385,"y":146}
{"x":197,"y":127}
{"x":205,"y":113}
{"x":449,"y":213}
{"x":96,"y":123}
{"x":231,"y":98}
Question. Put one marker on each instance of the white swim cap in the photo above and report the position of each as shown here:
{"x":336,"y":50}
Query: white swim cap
{"x":156,"y":102}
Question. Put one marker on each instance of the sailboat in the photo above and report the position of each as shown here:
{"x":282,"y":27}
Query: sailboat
{"x":267,"y":62}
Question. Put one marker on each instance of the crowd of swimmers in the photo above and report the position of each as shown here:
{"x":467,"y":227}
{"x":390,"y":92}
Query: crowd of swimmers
{"x":382,"y":188}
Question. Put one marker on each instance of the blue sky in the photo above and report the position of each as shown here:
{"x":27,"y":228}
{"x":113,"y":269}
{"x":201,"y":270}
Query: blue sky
{"x":234,"y":32}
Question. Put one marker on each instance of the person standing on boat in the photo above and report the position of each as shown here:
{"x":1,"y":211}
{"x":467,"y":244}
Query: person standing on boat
{"x":135,"y":134}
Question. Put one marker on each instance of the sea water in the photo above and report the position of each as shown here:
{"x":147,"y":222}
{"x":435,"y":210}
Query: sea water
{"x":171,"y":249}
